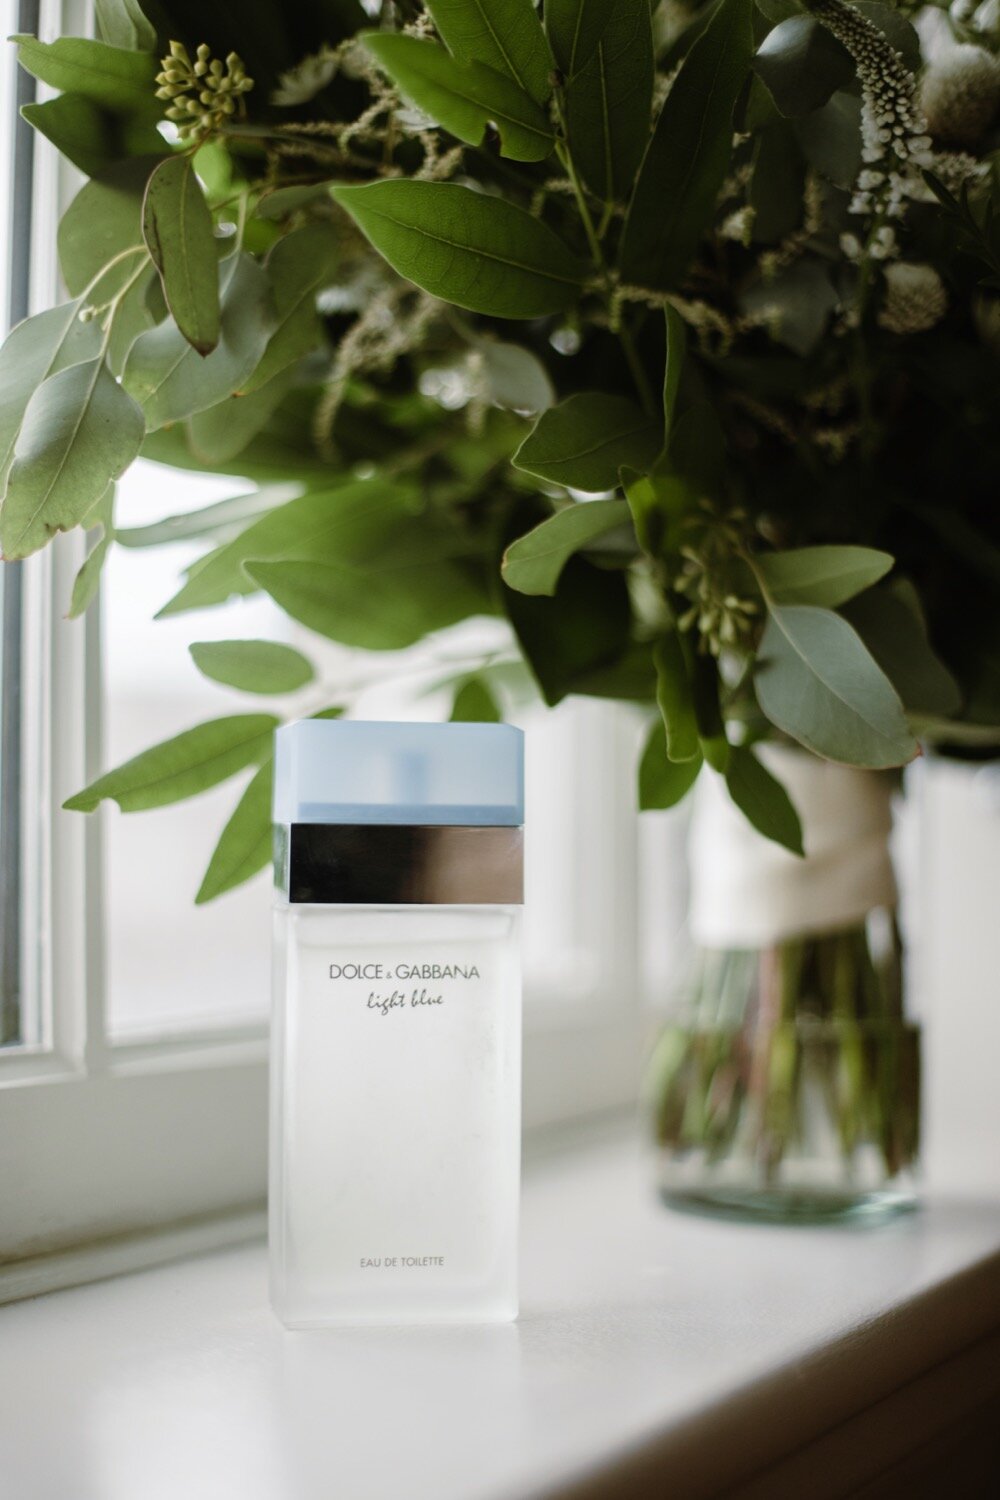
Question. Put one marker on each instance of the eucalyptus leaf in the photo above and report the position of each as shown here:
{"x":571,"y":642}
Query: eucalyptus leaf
{"x":170,"y":380}
{"x":688,"y":155}
{"x":609,"y":101}
{"x":37,"y":348}
{"x":676,"y":350}
{"x":897,"y":638}
{"x":245,"y":844}
{"x":795,"y":304}
{"x":122,"y":23}
{"x":662,"y":782}
{"x":79,"y":128}
{"x":298,"y":268}
{"x":220,"y":433}
{"x":88,"y":578}
{"x":533,"y":563}
{"x":181,"y":767}
{"x":110,"y":76}
{"x":817,"y":681}
{"x":585,"y":440}
{"x":515,"y":378}
{"x":584,"y":627}
{"x":575,"y":28}
{"x":763,"y":800}
{"x":104,"y":222}
{"x":210,"y":521}
{"x":178,"y":230}
{"x":474,"y":703}
{"x":377,"y":609}
{"x":675,"y":700}
{"x":474,"y":250}
{"x":505,"y":34}
{"x":80,"y":431}
{"x":466,"y":98}
{"x":826,"y":576}
{"x":830,"y":139}
{"x":264,"y":667}
{"x":777,"y":184}
{"x":802,"y":64}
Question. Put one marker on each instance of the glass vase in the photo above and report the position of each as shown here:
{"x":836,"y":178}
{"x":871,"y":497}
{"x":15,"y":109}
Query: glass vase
{"x":786,"y":1084}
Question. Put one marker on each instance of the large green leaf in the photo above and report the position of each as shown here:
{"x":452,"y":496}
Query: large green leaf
{"x":467,"y":247}
{"x":38,"y":347}
{"x":123,"y":24}
{"x":219,"y":433}
{"x":177,"y":228}
{"x":80,"y":431}
{"x":533,"y":563}
{"x":170,"y":380}
{"x":827,"y":576}
{"x":300,"y":266}
{"x":818,"y":682}
{"x":383,"y":608}
{"x":79,"y":128}
{"x":795,"y":303}
{"x":675,"y":699}
{"x":88,"y":578}
{"x":515,"y":378}
{"x":111,"y":76}
{"x":663,"y":782}
{"x":575,"y":27}
{"x":466,"y":98}
{"x":505,"y":34}
{"x":762,"y":799}
{"x":896,"y":636}
{"x":608,"y":103}
{"x":103,"y":221}
{"x":189,"y":763}
{"x":802,"y":64}
{"x":265,"y":667}
{"x":565,"y":639}
{"x":246,"y":842}
{"x":586,"y":439}
{"x":688,"y":156}
{"x":349,"y":524}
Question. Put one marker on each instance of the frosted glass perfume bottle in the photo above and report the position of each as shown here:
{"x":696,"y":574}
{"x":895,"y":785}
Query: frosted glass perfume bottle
{"x":396,"y":1042}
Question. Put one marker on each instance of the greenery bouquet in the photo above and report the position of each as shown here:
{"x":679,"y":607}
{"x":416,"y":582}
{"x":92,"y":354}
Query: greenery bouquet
{"x":670,"y":333}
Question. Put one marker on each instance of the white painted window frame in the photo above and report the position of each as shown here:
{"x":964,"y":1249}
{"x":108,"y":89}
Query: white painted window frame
{"x":108,"y":1150}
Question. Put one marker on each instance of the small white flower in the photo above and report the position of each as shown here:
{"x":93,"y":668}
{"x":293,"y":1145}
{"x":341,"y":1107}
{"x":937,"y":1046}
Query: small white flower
{"x":915,"y":298}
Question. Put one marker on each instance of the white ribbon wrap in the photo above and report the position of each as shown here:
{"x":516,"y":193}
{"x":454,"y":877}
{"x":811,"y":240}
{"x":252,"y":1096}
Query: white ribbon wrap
{"x":748,"y":892}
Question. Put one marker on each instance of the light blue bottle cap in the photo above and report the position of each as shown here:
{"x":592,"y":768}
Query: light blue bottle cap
{"x":349,"y":771}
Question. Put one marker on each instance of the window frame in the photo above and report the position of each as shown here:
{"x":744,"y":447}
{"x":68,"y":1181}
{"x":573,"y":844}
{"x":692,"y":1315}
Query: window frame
{"x":126,"y":1146}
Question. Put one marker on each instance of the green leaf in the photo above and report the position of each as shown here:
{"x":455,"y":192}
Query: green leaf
{"x":298,"y":268}
{"x":585,"y":440}
{"x":170,"y":380}
{"x":469,"y":248}
{"x":123,"y":24}
{"x":763,"y":800}
{"x":826,"y":576}
{"x":178,"y":231}
{"x":676,"y":350}
{"x":663,"y":782}
{"x":688,"y":156}
{"x":37,"y":348}
{"x":475,"y":704}
{"x":376,"y":609}
{"x":88,"y":578}
{"x":349,"y":524}
{"x":78,"y":128}
{"x":505,"y":34}
{"x":466,"y":98}
{"x":514,"y":377}
{"x":818,"y":682}
{"x":219,"y":433}
{"x":575,"y":27}
{"x":79,"y":432}
{"x":830,"y":139}
{"x":896,"y":636}
{"x":183,"y":766}
{"x":796,"y":303}
{"x":265,"y":667}
{"x":245,"y":844}
{"x":609,"y":101}
{"x":802,"y":64}
{"x":533,"y":563}
{"x":103,"y":220}
{"x":110,"y":76}
{"x":675,"y":700}
{"x":564,"y":640}
{"x":212,"y":521}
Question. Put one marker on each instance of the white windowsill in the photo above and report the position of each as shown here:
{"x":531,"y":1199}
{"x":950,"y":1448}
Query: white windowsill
{"x":656,"y":1354}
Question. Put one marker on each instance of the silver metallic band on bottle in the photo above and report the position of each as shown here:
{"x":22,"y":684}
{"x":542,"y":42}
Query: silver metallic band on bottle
{"x":400,"y":864}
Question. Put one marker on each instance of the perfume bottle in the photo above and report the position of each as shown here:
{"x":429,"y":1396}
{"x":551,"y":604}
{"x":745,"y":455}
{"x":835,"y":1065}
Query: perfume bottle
{"x":396,"y":1041}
